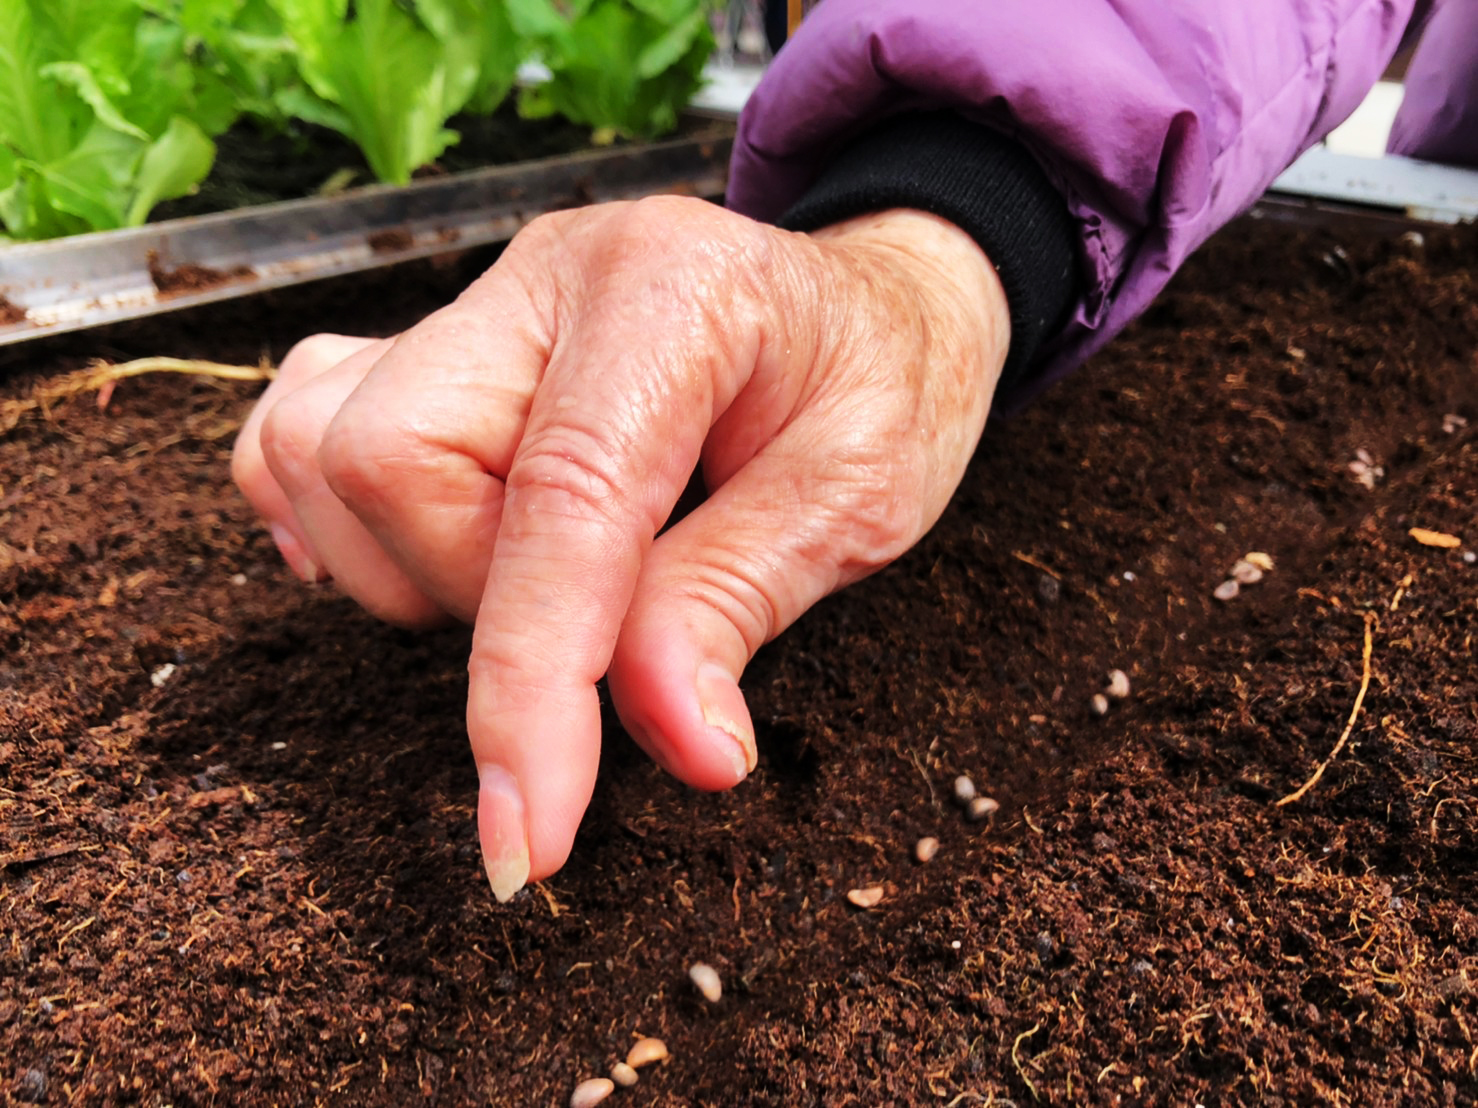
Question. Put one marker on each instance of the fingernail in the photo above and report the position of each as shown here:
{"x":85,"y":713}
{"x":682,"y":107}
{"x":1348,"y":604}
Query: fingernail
{"x":501,"y":825}
{"x":725,"y":712}
{"x":295,"y":553}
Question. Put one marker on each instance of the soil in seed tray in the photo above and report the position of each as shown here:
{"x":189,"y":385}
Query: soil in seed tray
{"x":190,"y":277}
{"x":255,"y":165}
{"x":238,"y":860}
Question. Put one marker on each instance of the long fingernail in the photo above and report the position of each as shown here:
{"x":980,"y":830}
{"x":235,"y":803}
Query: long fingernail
{"x":725,"y":713}
{"x":502,"y":826}
{"x":295,"y":553}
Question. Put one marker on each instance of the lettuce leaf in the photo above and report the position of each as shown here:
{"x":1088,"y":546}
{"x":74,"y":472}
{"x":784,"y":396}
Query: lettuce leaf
{"x":628,"y":66}
{"x":390,"y":74}
{"x":101,"y":116}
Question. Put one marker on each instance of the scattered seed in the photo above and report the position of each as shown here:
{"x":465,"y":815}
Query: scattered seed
{"x":1262,"y":561}
{"x":1118,"y":684}
{"x":279,"y":746}
{"x":869,"y":897}
{"x":1297,"y":353}
{"x":982,"y":807}
{"x":1099,"y":703}
{"x":706,"y":978}
{"x":1227,"y":590}
{"x":1452,"y":423}
{"x":644,"y":1052}
{"x":162,"y":675}
{"x":925,"y":849}
{"x":1245,"y":573}
{"x":1049,"y":588}
{"x":1414,"y":239}
{"x":1469,"y":557}
{"x":1364,"y":469}
{"x":624,"y":1075}
{"x":238,"y":579}
{"x":964,"y":789}
{"x":589,"y":1093}
{"x":955,"y":944}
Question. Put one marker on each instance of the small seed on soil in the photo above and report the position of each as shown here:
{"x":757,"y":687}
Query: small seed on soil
{"x":644,"y":1052}
{"x":624,"y":1075}
{"x":706,"y":978}
{"x":869,"y":897}
{"x":160,"y":677}
{"x":1099,"y":703}
{"x":1118,"y":684}
{"x":925,"y":849}
{"x":964,"y":789}
{"x":1245,"y":573}
{"x":1262,"y":561}
{"x":238,"y":579}
{"x":1227,"y":590}
{"x":1452,"y":423}
{"x":589,"y":1093}
{"x":982,"y":807}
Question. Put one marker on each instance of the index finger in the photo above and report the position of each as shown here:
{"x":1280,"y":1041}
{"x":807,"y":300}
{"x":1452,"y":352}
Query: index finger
{"x":613,"y":433}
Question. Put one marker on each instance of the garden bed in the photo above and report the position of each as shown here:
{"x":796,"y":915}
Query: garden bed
{"x":238,"y":860}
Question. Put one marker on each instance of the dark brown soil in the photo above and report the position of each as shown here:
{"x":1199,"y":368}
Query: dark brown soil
{"x":391,"y":241}
{"x":172,"y":280}
{"x":11,"y":312}
{"x":258,"y":882}
{"x":258,"y":166}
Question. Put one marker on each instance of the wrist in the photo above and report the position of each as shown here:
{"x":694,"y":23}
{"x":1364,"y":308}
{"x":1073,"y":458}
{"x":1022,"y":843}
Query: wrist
{"x":951,"y":278}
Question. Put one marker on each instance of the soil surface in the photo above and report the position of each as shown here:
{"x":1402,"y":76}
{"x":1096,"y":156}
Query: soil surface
{"x":257,"y":166}
{"x":238,"y":861}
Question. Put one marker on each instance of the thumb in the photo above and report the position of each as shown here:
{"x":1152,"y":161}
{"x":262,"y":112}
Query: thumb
{"x":799,"y":521}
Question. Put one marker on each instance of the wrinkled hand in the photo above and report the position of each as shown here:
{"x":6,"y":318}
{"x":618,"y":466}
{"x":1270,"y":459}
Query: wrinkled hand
{"x":511,"y":459}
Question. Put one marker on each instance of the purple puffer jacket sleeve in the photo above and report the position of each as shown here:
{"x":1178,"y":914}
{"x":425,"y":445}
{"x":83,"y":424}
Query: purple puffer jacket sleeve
{"x":1158,"y":120}
{"x":1438,"y":119}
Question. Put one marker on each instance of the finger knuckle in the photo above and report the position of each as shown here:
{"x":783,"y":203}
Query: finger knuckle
{"x":739,"y":592}
{"x":365,"y":458}
{"x":568,"y":469}
{"x":290,"y":434}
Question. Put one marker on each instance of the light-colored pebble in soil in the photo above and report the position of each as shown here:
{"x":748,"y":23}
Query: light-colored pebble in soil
{"x":981,"y":808}
{"x":644,"y":1052}
{"x":1227,"y":590}
{"x":1099,"y":704}
{"x":964,"y":789}
{"x":869,"y":897}
{"x":1118,"y":684}
{"x":589,"y":1093}
{"x":624,"y":1075}
{"x":925,"y":849}
{"x":1262,"y":561}
{"x":707,"y":980}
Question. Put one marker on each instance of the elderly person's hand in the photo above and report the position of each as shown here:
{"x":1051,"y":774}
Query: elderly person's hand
{"x":510,"y":461}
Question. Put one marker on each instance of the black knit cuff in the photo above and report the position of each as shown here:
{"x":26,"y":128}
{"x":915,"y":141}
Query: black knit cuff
{"x":984,"y":183}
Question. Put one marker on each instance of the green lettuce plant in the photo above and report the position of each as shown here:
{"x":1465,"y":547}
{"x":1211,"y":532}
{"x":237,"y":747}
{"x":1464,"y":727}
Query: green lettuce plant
{"x":101,"y":116}
{"x":625,"y":67}
{"x":389,"y":74}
